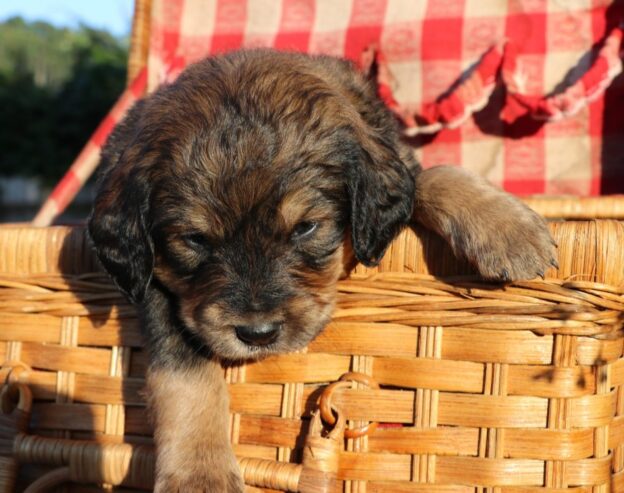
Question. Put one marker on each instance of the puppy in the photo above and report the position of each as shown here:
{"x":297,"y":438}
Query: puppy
{"x":229,"y":204}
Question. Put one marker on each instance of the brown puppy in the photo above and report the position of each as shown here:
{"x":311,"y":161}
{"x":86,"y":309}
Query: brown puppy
{"x":225,"y":203}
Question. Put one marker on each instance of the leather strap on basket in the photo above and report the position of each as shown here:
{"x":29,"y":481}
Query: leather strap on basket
{"x":321,"y":456}
{"x":321,"y":453}
{"x":328,"y":410}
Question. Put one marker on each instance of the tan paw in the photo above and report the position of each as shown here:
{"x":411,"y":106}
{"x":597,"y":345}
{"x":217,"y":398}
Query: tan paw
{"x":205,"y":482}
{"x":496,"y":232}
{"x":505,"y":240}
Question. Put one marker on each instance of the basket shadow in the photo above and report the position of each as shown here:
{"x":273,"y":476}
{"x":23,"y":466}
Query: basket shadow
{"x":438,"y":256}
{"x":88,"y":386}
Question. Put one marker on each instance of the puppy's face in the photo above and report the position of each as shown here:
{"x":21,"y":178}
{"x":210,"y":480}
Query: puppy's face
{"x":253,"y":269}
{"x":234,"y":190}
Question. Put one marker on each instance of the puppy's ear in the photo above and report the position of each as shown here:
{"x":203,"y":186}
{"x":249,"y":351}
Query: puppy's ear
{"x":381,"y":192}
{"x":118,"y":223}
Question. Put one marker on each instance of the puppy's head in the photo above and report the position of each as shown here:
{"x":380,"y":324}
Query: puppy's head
{"x":234,"y":191}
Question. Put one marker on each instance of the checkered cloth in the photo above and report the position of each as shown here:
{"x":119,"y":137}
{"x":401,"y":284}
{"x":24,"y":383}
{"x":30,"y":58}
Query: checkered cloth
{"x":511,"y":89}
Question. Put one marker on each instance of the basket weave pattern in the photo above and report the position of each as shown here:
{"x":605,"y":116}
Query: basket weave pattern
{"x":482,"y":388}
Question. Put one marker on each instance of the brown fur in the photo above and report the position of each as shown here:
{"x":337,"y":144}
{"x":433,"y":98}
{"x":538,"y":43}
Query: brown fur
{"x":231,"y":201}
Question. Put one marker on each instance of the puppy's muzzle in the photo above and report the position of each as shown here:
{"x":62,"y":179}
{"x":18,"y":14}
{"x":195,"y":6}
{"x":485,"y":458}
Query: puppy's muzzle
{"x":260,"y":334}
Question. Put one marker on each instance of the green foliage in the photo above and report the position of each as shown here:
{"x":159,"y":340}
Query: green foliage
{"x":56,"y":85}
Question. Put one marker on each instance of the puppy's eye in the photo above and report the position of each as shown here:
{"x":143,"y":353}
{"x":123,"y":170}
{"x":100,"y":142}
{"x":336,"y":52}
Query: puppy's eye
{"x":303,"y":230}
{"x":196,"y":241}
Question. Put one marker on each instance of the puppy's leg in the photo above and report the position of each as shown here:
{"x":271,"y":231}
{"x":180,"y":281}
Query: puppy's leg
{"x":502,"y":237}
{"x":190,"y":409}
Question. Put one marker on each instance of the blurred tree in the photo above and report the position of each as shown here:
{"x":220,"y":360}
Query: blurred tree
{"x":55,"y":87}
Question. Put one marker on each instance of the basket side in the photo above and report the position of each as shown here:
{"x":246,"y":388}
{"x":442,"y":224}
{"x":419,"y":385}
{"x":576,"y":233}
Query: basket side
{"x":587,"y":250}
{"x":27,"y":250}
{"x":465,"y":397}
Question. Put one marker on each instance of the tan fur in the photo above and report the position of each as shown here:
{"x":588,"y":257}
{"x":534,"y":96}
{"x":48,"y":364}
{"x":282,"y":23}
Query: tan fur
{"x":303,"y":205}
{"x":190,"y":413}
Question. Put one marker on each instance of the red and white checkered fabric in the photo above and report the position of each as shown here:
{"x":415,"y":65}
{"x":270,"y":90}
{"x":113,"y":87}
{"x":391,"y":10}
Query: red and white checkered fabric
{"x":428,"y":45}
{"x":511,"y":89}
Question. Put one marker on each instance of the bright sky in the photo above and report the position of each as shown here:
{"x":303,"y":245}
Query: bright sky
{"x":112,"y":15}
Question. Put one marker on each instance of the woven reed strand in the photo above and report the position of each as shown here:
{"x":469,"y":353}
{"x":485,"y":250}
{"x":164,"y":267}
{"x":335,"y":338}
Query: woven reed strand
{"x":570,"y":207}
{"x":545,"y":307}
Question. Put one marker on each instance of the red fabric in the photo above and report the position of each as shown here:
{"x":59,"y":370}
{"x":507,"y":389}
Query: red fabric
{"x":66,"y":189}
{"x":530,"y":115}
{"x":525,"y":92}
{"x":473,"y":93}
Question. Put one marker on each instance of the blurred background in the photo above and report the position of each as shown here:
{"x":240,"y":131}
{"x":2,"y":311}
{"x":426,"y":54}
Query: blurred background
{"x":51,"y":54}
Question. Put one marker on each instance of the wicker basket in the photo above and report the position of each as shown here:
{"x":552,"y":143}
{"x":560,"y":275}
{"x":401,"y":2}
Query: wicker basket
{"x":476,"y":387}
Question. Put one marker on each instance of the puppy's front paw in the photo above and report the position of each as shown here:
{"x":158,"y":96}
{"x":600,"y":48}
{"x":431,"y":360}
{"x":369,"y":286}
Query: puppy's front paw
{"x":504,"y":239}
{"x":218,"y":473}
{"x":202,"y":482}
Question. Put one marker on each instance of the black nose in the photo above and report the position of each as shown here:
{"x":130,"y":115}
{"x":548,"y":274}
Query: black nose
{"x":258,"y":335}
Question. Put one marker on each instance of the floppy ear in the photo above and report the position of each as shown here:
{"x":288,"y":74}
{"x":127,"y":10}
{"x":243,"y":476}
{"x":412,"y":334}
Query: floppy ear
{"x":381,"y":190}
{"x":118,"y":223}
